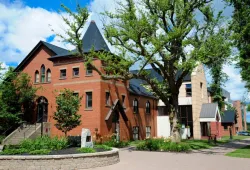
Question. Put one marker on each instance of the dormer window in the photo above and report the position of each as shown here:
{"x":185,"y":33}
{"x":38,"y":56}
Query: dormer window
{"x":135,"y":105}
{"x":42,"y":74}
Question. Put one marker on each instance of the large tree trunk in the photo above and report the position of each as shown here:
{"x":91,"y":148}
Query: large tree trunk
{"x":175,"y":131}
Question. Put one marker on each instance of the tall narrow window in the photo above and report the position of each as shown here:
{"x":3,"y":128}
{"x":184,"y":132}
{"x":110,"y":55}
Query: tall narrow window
{"x":148,"y":131}
{"x":107,"y":98}
{"x":42,"y":74}
{"x":147,"y":107}
{"x":136,"y":132}
{"x":37,"y":76}
{"x":135,"y":105}
{"x":48,"y":75}
{"x":88,"y":99}
{"x":63,"y":74}
{"x":89,"y":71}
{"x":188,"y":90}
{"x":123,"y":100}
{"x":201,"y":86}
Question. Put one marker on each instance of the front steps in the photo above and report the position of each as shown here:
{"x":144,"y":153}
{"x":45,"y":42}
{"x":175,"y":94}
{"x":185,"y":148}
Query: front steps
{"x":21,"y":133}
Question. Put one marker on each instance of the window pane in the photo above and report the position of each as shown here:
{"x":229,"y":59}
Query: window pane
{"x":37,"y":77}
{"x":107,"y":98}
{"x":88,"y":99}
{"x":123,"y":100}
{"x":48,"y":76}
{"x":63,"y":73}
{"x":89,"y":71}
{"x":75,"y":71}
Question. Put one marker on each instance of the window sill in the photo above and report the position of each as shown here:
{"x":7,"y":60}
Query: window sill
{"x":42,"y":83}
{"x":90,"y":75}
{"x":62,"y":78}
{"x":88,"y":109}
{"x":75,"y":77}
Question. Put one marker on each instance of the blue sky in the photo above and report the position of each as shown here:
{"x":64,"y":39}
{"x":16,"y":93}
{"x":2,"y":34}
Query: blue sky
{"x":23,"y":23}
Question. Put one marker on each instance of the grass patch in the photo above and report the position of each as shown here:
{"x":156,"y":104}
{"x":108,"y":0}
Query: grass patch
{"x":240,"y":153}
{"x":86,"y":150}
{"x":104,"y":147}
{"x":199,"y":144}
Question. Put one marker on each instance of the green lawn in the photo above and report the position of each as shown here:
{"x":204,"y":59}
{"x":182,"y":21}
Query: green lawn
{"x":240,"y":153}
{"x":200,"y":144}
{"x":226,"y":139}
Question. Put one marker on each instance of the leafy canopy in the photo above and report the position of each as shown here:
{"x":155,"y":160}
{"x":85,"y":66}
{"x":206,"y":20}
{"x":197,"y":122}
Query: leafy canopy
{"x":172,"y":37}
{"x":17,"y":96}
{"x":241,"y":35}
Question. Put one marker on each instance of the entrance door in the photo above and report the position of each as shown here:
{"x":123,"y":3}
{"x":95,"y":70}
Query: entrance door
{"x":42,"y":109}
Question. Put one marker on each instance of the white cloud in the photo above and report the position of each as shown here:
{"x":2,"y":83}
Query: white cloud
{"x":22,"y":27}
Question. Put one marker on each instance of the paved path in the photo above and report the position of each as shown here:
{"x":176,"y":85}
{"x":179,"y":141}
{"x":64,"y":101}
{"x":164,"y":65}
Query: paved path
{"x":212,"y":159}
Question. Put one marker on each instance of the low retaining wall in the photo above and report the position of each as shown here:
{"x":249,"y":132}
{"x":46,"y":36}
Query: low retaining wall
{"x":67,"y":162}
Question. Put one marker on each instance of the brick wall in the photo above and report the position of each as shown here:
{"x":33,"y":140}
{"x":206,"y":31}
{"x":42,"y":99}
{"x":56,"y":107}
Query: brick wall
{"x":91,"y":118}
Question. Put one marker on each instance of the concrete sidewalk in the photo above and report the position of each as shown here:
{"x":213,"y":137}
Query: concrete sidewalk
{"x":225,"y":148}
{"x":206,"y":159}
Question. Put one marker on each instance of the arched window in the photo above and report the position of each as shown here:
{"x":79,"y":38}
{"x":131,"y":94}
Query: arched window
{"x":135,"y":105}
{"x":48,"y":75}
{"x":42,"y":74}
{"x":147,"y":107}
{"x":37,"y":76}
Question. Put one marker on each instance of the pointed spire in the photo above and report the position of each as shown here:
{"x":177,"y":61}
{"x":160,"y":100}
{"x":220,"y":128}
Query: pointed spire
{"x":93,"y":38}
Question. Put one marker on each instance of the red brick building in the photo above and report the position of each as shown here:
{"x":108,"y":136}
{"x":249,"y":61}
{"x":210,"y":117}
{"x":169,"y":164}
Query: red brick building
{"x":107,"y":107}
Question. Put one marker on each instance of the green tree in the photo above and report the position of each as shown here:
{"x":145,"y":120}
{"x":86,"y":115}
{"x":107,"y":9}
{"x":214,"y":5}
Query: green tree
{"x":248,"y":107}
{"x":67,"y":107}
{"x":222,"y":49}
{"x":241,"y":36}
{"x":17,"y":96}
{"x":156,"y":33}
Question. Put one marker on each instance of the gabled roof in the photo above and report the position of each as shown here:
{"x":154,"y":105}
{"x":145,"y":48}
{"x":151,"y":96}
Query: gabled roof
{"x":208,"y":110}
{"x":54,"y":49}
{"x":228,"y":116}
{"x":117,"y":107}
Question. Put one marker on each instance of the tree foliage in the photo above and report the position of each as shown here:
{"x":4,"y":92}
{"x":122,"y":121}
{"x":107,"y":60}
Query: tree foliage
{"x":241,"y":35}
{"x":17,"y":96}
{"x":67,"y":107}
{"x":157,"y":33}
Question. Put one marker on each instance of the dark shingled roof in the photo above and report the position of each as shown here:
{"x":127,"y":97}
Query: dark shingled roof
{"x":228,"y":116}
{"x":208,"y":110}
{"x":55,"y":49}
{"x":91,"y":39}
{"x":135,"y":85}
